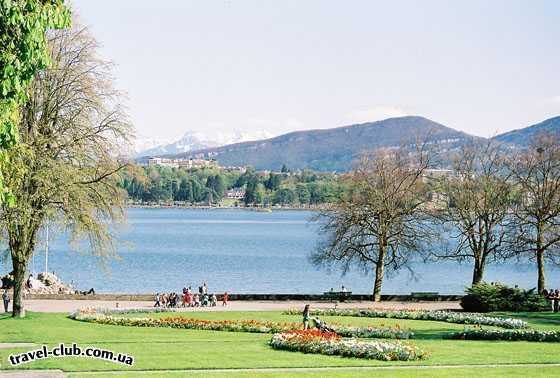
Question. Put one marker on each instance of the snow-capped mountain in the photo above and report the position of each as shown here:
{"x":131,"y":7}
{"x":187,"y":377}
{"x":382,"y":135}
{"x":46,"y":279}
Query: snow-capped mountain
{"x":193,"y":141}
{"x":142,"y":143}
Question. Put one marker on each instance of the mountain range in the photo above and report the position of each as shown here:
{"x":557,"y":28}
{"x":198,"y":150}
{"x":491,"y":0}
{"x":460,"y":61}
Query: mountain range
{"x":192,"y":141}
{"x":335,"y":149}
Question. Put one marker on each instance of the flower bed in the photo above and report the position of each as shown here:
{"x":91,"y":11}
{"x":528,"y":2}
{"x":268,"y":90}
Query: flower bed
{"x":185,"y":323}
{"x":443,"y":316}
{"x":373,"y":333}
{"x":104,"y":316}
{"x":508,"y":335}
{"x":313,"y":341}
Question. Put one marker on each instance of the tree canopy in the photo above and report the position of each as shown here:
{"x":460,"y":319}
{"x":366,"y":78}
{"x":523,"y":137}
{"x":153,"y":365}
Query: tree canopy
{"x":23,"y":52}
{"x":65,"y":166}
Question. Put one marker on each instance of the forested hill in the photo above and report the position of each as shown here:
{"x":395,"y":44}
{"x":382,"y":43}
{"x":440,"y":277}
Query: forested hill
{"x":332,"y":149}
{"x":522,"y":137}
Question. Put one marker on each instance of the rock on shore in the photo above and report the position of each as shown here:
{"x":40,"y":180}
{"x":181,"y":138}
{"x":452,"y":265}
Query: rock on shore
{"x":44,"y":283}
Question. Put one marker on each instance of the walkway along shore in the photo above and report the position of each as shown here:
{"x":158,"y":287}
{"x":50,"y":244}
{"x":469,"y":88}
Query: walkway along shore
{"x":253,"y":297}
{"x":69,"y":305}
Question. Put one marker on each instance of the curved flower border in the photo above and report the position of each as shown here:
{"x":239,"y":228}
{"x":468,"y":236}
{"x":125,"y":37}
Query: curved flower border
{"x":105,"y":316}
{"x":508,"y":335}
{"x":442,"y":316}
{"x":329,"y":344}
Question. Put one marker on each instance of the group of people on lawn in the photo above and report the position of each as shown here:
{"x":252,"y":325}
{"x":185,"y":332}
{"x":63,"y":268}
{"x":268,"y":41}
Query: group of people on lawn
{"x":554,"y":297}
{"x":190,"y":298}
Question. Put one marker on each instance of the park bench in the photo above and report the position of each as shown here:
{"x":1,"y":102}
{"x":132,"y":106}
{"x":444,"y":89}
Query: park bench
{"x":340,"y":296}
{"x":424,"y":295}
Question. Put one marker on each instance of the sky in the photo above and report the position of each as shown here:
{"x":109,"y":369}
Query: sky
{"x":483,"y":67}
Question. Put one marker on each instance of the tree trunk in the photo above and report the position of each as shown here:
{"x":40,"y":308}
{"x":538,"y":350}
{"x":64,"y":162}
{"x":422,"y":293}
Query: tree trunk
{"x":540,"y":258}
{"x":541,"y":275}
{"x":478,"y":274}
{"x":379,"y":271}
{"x":19,"y":281}
{"x":478,"y":271}
{"x":378,"y":282}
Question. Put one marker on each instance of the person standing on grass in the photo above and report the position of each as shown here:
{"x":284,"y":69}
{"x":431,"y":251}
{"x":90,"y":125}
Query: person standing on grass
{"x":555,"y":299}
{"x":6,"y":300}
{"x":306,"y":317}
{"x":549,"y":295}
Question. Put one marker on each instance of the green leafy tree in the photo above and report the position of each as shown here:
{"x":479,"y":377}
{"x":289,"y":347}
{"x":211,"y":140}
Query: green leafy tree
{"x":273,"y":182}
{"x":64,"y":167}
{"x":217,"y":184}
{"x":303,"y":194}
{"x":284,"y":196}
{"x":23,"y":52}
{"x":251,"y":191}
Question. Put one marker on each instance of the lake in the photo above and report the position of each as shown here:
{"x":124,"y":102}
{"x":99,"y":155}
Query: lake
{"x":242,"y":252}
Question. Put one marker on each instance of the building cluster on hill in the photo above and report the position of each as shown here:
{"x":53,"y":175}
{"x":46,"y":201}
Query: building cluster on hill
{"x":182,"y":163}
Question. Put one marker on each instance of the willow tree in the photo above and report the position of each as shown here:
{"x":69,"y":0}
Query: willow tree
{"x":480,"y":197}
{"x":381,"y":220}
{"x":536,"y":172}
{"x":65,"y":166}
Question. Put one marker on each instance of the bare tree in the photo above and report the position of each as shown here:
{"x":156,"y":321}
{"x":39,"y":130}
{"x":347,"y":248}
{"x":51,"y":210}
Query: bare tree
{"x":381,"y":219}
{"x":479,"y":197}
{"x":536,"y":172}
{"x":65,"y":167}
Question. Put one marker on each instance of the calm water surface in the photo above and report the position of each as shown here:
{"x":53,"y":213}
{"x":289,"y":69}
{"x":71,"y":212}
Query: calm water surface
{"x":242,"y":252}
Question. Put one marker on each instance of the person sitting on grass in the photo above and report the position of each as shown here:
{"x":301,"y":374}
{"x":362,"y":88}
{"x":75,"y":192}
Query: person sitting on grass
{"x":306,"y":317}
{"x":322,"y":326}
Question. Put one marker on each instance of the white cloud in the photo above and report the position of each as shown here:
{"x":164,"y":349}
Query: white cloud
{"x":376,"y":113}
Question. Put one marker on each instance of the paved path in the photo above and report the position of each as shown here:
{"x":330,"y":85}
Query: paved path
{"x":16,"y":345}
{"x":48,"y":305}
{"x":348,"y":369}
{"x":33,"y":374}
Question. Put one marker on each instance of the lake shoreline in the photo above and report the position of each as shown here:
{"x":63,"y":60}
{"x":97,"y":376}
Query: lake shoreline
{"x":205,"y":207}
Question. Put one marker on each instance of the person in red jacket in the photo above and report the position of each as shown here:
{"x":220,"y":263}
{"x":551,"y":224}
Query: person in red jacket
{"x":225,"y":299}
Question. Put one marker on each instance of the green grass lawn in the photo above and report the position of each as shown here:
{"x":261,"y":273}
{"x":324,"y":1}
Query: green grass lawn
{"x":157,"y":349}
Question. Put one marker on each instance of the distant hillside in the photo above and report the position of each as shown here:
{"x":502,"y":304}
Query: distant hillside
{"x":522,"y":137}
{"x":332,"y":149}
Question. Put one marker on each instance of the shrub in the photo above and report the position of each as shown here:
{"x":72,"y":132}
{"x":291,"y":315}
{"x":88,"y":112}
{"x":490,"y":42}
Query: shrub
{"x":484,"y":297}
